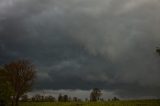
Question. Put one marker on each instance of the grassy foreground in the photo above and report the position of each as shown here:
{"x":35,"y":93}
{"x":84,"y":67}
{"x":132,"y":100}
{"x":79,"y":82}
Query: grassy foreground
{"x":117,"y":103}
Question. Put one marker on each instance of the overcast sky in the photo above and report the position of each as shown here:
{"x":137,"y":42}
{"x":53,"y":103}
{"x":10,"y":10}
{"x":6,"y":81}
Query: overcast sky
{"x":78,"y":45}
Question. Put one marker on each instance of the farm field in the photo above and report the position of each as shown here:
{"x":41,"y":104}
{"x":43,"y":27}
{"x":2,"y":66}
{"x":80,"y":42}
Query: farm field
{"x":112,"y":103}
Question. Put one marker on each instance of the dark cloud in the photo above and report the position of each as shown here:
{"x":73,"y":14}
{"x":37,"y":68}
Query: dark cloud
{"x":83,"y":44}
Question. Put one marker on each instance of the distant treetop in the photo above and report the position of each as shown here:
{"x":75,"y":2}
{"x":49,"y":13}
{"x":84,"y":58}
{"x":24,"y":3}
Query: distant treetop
{"x":158,"y":50}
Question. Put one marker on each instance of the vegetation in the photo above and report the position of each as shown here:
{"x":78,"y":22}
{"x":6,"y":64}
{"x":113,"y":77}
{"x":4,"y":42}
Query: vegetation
{"x":5,"y":88}
{"x":95,"y":94}
{"x":158,"y":50}
{"x":110,"y":103}
{"x":40,"y":98}
{"x":19,"y":75}
{"x":5,"y":91}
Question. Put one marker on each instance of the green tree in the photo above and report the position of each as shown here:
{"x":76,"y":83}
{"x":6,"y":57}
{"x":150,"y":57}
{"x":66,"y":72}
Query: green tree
{"x":20,"y":74}
{"x":5,"y":88}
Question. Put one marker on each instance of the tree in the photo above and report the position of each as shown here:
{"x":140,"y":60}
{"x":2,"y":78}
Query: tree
{"x":38,"y":98}
{"x":60,"y":98}
{"x":86,"y":99}
{"x":49,"y":99}
{"x":115,"y":99}
{"x":158,"y":50}
{"x":5,"y":92}
{"x":5,"y":88}
{"x":20,"y":74}
{"x":95,"y":94}
{"x":65,"y":98}
{"x":75,"y":99}
{"x":24,"y":98}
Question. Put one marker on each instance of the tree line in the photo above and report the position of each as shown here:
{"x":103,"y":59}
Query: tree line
{"x":17,"y":78}
{"x":62,"y":98}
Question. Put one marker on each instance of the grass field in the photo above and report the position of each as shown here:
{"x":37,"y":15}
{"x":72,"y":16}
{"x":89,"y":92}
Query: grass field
{"x":114,"y":103}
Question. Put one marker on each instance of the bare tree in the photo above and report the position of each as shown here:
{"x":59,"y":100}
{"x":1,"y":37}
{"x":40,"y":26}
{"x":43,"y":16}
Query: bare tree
{"x":21,"y":75}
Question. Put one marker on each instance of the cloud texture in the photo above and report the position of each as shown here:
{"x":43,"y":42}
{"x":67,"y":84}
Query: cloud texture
{"x":81,"y":44}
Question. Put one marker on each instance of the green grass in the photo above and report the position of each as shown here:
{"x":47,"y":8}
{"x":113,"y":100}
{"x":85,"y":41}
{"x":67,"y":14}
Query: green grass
{"x":117,"y":103}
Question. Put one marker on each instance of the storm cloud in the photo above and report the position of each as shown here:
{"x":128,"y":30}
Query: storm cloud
{"x":82,"y":44}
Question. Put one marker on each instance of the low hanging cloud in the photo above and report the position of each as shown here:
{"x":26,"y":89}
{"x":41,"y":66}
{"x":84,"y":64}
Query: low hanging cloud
{"x":82,"y":44}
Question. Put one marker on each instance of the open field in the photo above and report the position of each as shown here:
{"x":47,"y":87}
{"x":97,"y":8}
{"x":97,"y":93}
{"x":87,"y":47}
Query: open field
{"x":114,"y":103}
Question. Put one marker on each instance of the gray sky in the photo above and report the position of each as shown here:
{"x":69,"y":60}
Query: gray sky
{"x":82,"y":44}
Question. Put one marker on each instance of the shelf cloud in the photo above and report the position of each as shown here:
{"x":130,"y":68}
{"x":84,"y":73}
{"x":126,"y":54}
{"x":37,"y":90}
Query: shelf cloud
{"x":82,"y":44}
